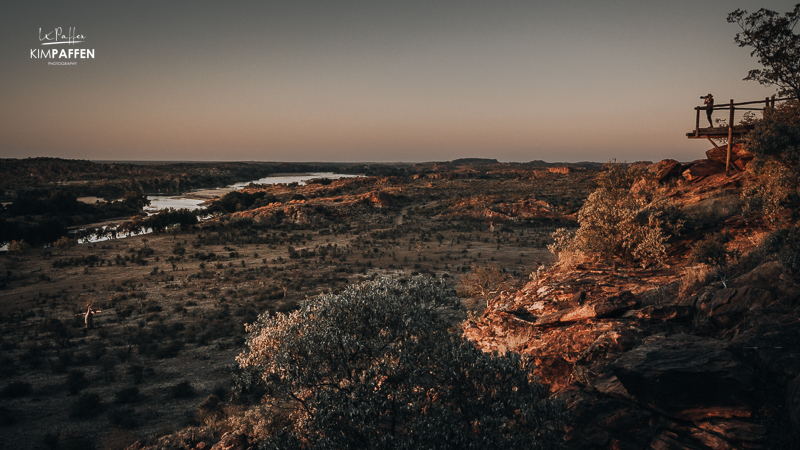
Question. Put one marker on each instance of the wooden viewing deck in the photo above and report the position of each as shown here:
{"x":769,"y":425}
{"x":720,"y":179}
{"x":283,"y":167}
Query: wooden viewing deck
{"x":730,"y":130}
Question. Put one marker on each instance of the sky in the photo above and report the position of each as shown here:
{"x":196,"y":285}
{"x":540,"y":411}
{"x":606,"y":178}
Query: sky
{"x":378,"y":81}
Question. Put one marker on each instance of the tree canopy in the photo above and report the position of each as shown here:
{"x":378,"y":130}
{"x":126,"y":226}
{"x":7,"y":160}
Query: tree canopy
{"x":774,"y":42}
{"x":376,"y":367}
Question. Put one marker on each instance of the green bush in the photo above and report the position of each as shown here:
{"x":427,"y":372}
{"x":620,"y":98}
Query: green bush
{"x":376,"y":367}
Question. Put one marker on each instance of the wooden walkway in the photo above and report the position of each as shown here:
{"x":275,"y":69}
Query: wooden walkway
{"x":737,"y":131}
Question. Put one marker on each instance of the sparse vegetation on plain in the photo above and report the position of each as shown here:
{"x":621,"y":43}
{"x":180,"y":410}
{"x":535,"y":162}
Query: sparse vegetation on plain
{"x":172,"y":304}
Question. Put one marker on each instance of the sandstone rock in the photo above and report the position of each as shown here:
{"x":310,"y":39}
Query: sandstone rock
{"x":765,"y":276}
{"x":599,"y":422}
{"x":738,"y":154}
{"x":234,"y":440}
{"x":727,"y":306}
{"x":659,"y":313}
{"x":770,"y":341}
{"x":556,"y":351}
{"x":687,"y":377}
{"x":666,"y":170}
{"x":607,"y":307}
{"x":595,"y":361}
{"x":701,"y":169}
{"x":714,"y":434}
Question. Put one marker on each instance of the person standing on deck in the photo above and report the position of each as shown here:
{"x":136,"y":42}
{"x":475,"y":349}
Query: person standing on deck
{"x":709,"y":102}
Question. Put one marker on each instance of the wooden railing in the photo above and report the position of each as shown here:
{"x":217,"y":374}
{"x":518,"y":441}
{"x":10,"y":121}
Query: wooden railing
{"x":732,"y":108}
{"x":731,"y":128}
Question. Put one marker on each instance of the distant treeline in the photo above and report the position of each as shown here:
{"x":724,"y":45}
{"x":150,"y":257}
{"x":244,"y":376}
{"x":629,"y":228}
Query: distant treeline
{"x":112,"y":180}
{"x":41,"y":216}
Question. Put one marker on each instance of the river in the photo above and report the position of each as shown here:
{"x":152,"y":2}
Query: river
{"x":194,"y":199}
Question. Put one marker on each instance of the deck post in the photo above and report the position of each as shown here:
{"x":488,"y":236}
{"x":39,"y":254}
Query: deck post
{"x":730,"y":141}
{"x":697,"y":122}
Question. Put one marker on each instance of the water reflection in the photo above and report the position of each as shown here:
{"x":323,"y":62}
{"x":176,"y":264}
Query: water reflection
{"x":159,"y":202}
{"x":188,"y":201}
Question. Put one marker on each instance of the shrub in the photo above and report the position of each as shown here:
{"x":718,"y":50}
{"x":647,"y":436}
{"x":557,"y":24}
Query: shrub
{"x":71,"y":440}
{"x":127,"y":395}
{"x":18,"y":247}
{"x":711,"y":251}
{"x":210,"y":411}
{"x":184,"y":389}
{"x":777,"y":136}
{"x":8,"y":416}
{"x":85,"y":406}
{"x":16,"y":389}
{"x":76,"y":381}
{"x":617,"y":223}
{"x":376,"y":367}
{"x":775,"y":142}
{"x":484,"y":283}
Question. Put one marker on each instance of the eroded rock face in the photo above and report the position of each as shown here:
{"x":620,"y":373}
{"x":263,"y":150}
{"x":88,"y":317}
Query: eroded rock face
{"x":687,"y":377}
{"x":739,"y":156}
{"x":702,"y":169}
{"x":641,"y":368}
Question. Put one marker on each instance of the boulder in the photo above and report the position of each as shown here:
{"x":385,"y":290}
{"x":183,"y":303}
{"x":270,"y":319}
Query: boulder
{"x":232,"y":440}
{"x":701,"y":169}
{"x":598,"y":422}
{"x":715,"y":434}
{"x":727,"y":307}
{"x":659,"y":313}
{"x":555,"y":351}
{"x":738,"y":155}
{"x":666,"y":170}
{"x":686,"y":377}
{"x":594,"y":362}
{"x":605,"y":307}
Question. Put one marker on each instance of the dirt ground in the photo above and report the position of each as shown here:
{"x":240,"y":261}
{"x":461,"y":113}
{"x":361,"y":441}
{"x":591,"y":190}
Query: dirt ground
{"x":171,"y":308}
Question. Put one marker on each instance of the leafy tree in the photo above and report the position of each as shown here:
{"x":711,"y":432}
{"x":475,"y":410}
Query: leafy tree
{"x":772,"y":37}
{"x":376,"y":367}
{"x":135,"y":199}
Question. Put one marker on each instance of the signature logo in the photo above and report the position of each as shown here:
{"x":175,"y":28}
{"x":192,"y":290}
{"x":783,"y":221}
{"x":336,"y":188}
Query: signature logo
{"x":57,"y":37}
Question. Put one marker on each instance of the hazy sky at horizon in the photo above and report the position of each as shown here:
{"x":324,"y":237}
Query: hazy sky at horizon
{"x":370,"y":80}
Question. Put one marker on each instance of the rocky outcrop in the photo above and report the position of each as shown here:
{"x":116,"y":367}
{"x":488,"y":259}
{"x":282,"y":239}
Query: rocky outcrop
{"x":686,"y":377}
{"x":234,"y":440}
{"x":666,"y":170}
{"x":640,"y":368}
{"x":739,"y":156}
{"x":698,"y":170}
